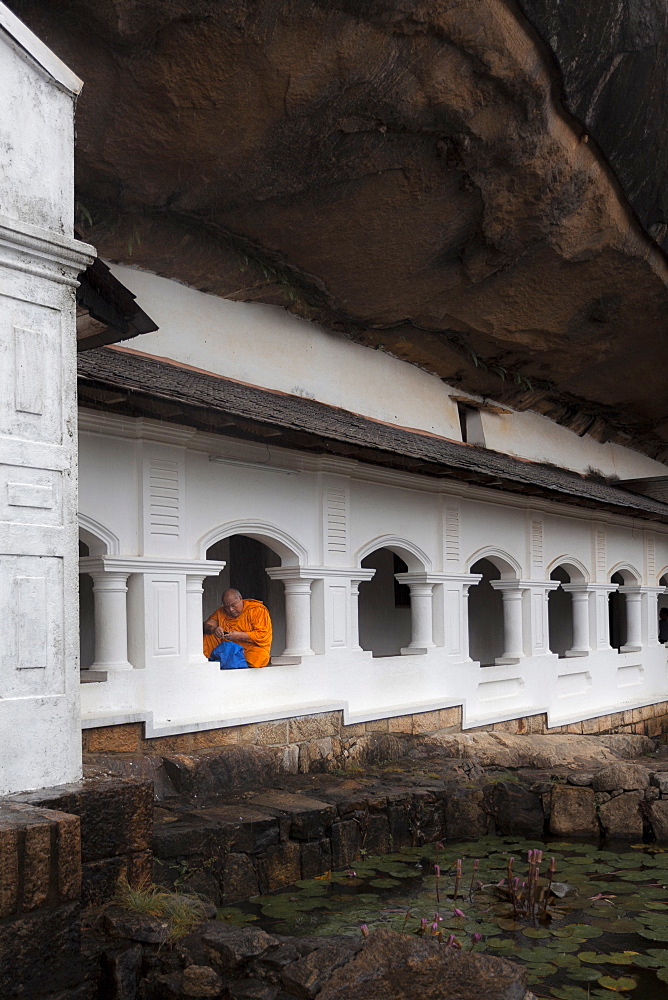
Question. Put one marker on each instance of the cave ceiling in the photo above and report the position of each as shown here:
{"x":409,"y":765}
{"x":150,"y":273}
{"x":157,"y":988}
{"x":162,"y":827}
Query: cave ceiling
{"x":474,"y":186}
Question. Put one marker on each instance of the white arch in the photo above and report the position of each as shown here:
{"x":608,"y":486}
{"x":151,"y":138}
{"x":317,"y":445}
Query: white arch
{"x":570,"y":563}
{"x":662,"y":572}
{"x":291,"y":552}
{"x":630,"y":574}
{"x":416,"y":560}
{"x":508,"y":566}
{"x":100,"y":540}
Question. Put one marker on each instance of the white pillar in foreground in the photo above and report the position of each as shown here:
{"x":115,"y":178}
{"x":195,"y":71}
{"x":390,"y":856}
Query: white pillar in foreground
{"x":512,"y":592}
{"x":40,"y":262}
{"x":111,"y":620}
{"x":581,"y":618}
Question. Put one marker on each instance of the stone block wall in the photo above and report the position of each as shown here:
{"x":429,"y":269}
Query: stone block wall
{"x":40,"y":889}
{"x":321,"y":741}
{"x":115,"y":817}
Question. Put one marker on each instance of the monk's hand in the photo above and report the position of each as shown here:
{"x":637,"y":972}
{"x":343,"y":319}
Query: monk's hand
{"x":235,"y":636}
{"x":219,"y":634}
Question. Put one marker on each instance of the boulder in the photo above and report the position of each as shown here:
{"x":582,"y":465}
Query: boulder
{"x":660,"y":780}
{"x":658,"y":817}
{"x":231,"y":947}
{"x":621,"y":816}
{"x":515,"y":808}
{"x":132,"y":926}
{"x":497,"y":749}
{"x":306,"y":977}
{"x":201,"y":981}
{"x":393,"y":966}
{"x":573,"y":811}
{"x":628,"y":777}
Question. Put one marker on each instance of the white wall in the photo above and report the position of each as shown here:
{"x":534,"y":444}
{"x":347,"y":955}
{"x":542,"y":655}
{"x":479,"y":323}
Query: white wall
{"x":39,"y":262}
{"x":267,"y":346}
{"x":323,"y":517}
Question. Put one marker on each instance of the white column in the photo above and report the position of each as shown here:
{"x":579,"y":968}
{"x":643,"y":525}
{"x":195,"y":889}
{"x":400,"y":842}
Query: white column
{"x":297,"y":618}
{"x":194,"y":634}
{"x":422,"y":637}
{"x":421,"y":586}
{"x":111,"y":620}
{"x":512,"y":593}
{"x":633,"y":597}
{"x":581,"y":618}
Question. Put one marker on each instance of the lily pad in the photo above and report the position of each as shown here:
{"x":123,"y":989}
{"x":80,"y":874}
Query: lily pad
{"x":654,"y":933}
{"x":569,"y":993}
{"x":384,"y":883}
{"x":618,"y":985}
{"x":536,"y":932}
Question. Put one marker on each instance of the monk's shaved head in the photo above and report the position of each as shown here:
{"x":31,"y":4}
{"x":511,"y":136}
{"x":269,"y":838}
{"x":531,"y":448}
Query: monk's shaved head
{"x":233,"y":602}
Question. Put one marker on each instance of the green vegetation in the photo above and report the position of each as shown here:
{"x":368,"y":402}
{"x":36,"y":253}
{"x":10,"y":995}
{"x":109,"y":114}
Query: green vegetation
{"x":181,"y":913}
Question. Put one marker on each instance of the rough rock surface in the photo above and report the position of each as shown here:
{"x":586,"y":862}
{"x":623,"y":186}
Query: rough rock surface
{"x":391,"y":966}
{"x":621,"y":776}
{"x":509,"y":750}
{"x":403,"y":173}
{"x":573,"y":812}
{"x":621,"y":816}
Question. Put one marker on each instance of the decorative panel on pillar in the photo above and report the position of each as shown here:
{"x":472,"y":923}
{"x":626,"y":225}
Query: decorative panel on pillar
{"x":31,"y":625}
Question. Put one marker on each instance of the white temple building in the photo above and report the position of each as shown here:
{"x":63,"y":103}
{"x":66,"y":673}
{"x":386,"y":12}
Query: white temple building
{"x":417,"y":550}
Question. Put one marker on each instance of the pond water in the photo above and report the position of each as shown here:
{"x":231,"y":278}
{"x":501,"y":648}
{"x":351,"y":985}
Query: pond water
{"x":603,"y":934}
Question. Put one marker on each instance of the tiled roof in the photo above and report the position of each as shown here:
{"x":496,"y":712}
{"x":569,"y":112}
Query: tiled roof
{"x":378,"y":442}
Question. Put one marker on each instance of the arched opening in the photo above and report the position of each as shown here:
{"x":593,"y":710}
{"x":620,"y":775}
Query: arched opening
{"x":662,"y":606}
{"x":486,"y":626}
{"x":560,"y":614}
{"x":86,"y":614}
{"x":617,"y":614}
{"x":247,"y":560}
{"x":384,"y":605}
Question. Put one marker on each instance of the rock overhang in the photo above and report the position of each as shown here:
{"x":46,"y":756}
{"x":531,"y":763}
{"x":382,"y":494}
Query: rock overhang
{"x":406,"y":174}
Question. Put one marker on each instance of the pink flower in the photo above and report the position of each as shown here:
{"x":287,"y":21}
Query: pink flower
{"x":365,"y":930}
{"x":458,"y":913}
{"x":476,"y":937}
{"x":437,"y":871}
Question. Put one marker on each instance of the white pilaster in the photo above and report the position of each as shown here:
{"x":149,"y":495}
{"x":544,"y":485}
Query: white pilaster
{"x":599,"y":614}
{"x":539,"y":639}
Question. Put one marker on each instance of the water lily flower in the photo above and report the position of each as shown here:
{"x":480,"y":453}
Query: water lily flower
{"x":365,"y":930}
{"x":351,"y":874}
{"x":437,"y":871}
{"x":458,"y":913}
{"x":476,"y":937}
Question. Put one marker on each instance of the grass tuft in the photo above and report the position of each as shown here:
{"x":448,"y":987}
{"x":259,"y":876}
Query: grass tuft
{"x":182,"y":913}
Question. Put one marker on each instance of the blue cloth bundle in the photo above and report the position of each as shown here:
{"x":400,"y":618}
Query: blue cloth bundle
{"x":230,"y":655}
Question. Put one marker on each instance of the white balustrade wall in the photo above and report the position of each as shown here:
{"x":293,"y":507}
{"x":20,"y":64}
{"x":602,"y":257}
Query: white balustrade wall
{"x":322,"y":516}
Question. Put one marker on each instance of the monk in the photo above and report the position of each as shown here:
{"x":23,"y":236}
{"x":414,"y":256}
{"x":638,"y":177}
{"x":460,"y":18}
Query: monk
{"x":243,"y":621}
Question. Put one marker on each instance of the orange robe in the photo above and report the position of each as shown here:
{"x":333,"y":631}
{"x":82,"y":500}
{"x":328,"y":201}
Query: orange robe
{"x":255,"y":620}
